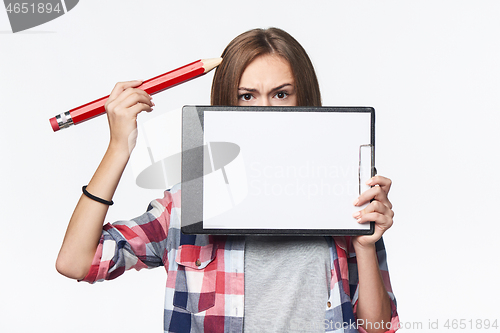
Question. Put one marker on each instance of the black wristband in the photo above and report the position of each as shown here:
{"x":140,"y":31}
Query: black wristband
{"x":93,"y":197}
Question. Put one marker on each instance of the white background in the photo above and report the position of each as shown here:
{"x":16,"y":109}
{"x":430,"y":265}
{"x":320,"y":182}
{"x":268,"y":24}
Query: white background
{"x":430,"y":69}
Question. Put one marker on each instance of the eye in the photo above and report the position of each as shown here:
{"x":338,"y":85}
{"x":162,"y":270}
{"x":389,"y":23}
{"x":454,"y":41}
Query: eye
{"x":245,"y":97}
{"x":281,"y":95}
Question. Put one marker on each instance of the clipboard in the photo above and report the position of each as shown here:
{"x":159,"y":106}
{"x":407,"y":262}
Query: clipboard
{"x":275,"y":170}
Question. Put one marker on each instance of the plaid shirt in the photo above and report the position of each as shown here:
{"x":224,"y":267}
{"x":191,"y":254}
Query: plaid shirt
{"x":205,"y":273}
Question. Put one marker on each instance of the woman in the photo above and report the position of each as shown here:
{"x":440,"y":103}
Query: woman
{"x":236,"y":284}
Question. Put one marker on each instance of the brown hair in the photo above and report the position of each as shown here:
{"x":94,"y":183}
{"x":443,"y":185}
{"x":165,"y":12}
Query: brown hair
{"x":242,"y":50}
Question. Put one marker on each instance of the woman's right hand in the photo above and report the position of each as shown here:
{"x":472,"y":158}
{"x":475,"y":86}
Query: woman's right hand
{"x":123,"y":105}
{"x":85,"y":227}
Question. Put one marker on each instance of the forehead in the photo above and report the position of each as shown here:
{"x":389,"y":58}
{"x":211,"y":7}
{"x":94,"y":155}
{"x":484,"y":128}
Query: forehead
{"x":267,"y":70}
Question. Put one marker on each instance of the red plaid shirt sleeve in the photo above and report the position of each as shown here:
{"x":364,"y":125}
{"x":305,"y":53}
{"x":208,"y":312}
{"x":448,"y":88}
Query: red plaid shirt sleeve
{"x":134,"y":244}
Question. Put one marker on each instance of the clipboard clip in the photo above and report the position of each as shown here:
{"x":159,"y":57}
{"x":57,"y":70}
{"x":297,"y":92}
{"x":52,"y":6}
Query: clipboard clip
{"x":366,"y":168}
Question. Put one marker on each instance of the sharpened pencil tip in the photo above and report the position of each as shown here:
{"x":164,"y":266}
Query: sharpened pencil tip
{"x":209,"y":64}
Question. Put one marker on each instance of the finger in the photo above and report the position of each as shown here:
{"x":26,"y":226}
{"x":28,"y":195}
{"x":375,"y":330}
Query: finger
{"x":382,"y":222}
{"x":375,"y":193}
{"x":121,"y":86}
{"x":128,"y":92}
{"x":136,"y":97}
{"x":129,"y":98}
{"x":378,"y":213}
{"x":383,"y":182}
{"x":375,"y":212}
{"x":375,"y":207}
{"x":131,"y":112}
{"x":139,"y":107}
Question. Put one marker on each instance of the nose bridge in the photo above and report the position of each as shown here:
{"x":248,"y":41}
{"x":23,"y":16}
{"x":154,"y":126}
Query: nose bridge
{"x":265,"y":101}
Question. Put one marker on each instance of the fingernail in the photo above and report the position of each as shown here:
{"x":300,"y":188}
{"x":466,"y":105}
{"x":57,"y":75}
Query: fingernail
{"x":153,"y":103}
{"x":359,"y":220}
{"x":356,"y":215}
{"x":369,"y":182}
{"x":355,"y":202}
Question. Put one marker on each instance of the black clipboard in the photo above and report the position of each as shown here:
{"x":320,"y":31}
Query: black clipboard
{"x":275,"y":170}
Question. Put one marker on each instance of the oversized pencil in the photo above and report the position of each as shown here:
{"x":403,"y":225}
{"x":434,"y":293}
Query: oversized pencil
{"x":151,"y":86}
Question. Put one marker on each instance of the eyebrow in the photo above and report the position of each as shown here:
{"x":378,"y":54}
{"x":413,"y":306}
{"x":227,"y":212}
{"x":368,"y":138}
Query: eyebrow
{"x":274,"y":89}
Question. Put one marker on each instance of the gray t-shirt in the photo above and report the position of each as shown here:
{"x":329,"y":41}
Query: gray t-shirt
{"x":287,"y":284}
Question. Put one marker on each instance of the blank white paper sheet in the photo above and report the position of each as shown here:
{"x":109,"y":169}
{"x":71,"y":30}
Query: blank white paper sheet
{"x":294,"y":170}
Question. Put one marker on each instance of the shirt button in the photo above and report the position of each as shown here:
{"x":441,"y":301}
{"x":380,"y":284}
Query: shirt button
{"x":329,"y":304}
{"x":198,"y":263}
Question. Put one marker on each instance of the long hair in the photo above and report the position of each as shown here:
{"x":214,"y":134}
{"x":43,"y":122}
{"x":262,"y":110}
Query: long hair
{"x":242,"y":50}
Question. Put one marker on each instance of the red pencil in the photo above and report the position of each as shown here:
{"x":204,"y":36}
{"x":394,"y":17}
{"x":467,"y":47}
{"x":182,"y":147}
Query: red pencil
{"x":151,"y":86}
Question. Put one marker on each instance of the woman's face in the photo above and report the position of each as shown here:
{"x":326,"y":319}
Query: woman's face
{"x":267,"y":81}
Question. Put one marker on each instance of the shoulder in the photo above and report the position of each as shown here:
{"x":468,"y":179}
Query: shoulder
{"x":171,"y":199}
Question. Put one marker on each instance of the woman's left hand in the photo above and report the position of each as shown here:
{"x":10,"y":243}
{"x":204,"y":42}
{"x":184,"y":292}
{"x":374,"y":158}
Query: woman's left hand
{"x":379,"y":210}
